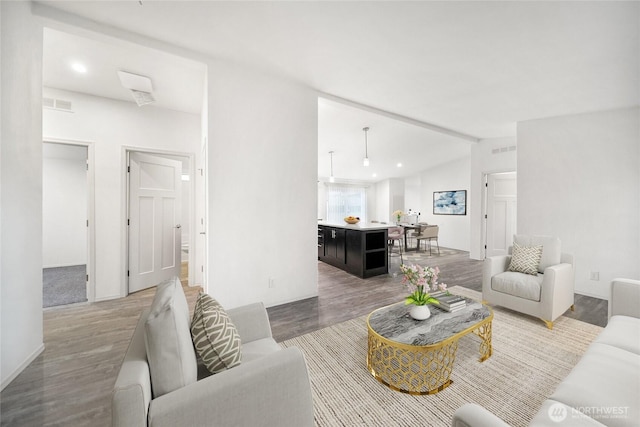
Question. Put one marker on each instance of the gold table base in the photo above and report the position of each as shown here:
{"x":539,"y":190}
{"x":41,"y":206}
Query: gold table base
{"x":421,"y":369}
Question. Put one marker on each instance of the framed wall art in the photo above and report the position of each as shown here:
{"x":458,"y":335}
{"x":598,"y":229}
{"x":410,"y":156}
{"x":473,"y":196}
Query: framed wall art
{"x":450,"y":202}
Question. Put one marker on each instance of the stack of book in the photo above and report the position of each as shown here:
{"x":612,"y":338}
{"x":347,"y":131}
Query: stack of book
{"x":450,"y":302}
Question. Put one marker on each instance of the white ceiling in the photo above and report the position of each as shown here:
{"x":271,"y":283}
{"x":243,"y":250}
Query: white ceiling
{"x":178,"y":83}
{"x":389,"y":142}
{"x":473,"y":67}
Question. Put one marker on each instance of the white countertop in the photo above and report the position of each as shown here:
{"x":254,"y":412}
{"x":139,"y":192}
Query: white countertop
{"x":359,"y":226}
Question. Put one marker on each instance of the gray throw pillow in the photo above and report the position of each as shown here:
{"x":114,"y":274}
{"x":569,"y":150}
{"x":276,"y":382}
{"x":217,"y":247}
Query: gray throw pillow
{"x":170,"y":353}
{"x":525,"y":259}
{"x":214,"y":336}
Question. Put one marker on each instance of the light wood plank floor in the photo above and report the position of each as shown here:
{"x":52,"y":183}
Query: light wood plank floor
{"x":342,"y":296}
{"x":70,"y":383}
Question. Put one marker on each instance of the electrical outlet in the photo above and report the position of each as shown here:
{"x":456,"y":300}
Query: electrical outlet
{"x":594,"y":275}
{"x":272,"y":283}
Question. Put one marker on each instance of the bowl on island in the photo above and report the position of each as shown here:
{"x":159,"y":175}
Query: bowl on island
{"x":351,"y":219}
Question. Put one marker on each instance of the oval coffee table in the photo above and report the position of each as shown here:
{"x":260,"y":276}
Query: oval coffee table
{"x":417,"y":356}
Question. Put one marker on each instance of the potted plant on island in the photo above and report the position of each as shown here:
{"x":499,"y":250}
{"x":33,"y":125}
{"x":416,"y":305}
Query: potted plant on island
{"x":398,"y":214}
{"x":419,"y":281}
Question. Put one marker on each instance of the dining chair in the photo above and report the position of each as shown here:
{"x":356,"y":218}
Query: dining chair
{"x":414,"y":234}
{"x":430,"y":233}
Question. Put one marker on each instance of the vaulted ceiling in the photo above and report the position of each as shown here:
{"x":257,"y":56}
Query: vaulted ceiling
{"x":476,"y":68}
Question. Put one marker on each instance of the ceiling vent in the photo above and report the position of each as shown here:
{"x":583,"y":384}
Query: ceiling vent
{"x":140,"y":87}
{"x":57,"y":104}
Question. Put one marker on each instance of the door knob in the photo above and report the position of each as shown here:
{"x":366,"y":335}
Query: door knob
{"x":178,"y":226}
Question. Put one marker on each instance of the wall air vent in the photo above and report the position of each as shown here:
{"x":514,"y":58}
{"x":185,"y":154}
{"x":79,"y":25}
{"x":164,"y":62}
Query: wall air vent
{"x":57,"y":104}
{"x":505,"y":149}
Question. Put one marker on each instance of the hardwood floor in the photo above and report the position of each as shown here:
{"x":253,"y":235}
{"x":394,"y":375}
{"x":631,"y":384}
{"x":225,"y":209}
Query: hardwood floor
{"x":70,"y":383}
{"x":342,"y":296}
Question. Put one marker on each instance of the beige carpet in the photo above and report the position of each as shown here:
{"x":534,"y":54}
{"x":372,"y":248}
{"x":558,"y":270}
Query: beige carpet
{"x":528,"y":362}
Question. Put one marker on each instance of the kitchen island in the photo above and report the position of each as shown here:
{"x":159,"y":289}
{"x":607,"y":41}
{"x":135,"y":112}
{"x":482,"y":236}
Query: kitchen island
{"x":359,"y":249}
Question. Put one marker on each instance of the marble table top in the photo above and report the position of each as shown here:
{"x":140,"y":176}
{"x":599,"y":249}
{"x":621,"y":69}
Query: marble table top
{"x":394,"y":323}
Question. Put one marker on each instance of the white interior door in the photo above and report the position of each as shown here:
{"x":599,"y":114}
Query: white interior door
{"x":154,"y":220}
{"x":501,"y":213}
{"x":201,"y":215}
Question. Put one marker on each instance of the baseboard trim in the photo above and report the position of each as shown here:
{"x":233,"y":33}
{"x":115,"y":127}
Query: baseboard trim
{"x":22,"y":366}
{"x":287,"y":301}
{"x":63,"y":265}
{"x":592,"y":295}
{"x":108,"y":298}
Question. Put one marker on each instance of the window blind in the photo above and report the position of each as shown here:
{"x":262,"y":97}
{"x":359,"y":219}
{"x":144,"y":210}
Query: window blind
{"x":345,"y":200}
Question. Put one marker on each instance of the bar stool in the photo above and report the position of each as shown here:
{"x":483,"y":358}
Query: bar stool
{"x":396,"y":234}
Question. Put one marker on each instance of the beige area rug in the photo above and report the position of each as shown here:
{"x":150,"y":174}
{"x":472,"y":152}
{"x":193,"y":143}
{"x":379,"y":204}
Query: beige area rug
{"x":527,"y":364}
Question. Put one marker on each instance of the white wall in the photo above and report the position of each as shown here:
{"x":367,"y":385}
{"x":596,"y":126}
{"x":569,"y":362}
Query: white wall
{"x":64,"y":207}
{"x":413,"y":194}
{"x":455,"y":175}
{"x":112,"y":125}
{"x":370,"y":193}
{"x":263,"y":158}
{"x":322,"y":200}
{"x":389,"y":197}
{"x":396,"y":197}
{"x":484,"y":161}
{"x":21,"y":189}
{"x":383,"y":210}
{"x":579,"y":179}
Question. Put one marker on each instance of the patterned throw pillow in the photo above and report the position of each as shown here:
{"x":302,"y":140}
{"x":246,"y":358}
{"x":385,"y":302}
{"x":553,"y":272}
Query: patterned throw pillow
{"x":214,"y":335}
{"x":525,"y":259}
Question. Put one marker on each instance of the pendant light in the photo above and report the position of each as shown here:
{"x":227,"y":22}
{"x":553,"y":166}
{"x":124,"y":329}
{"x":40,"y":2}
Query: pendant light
{"x":331,"y":178}
{"x":365,"y":162}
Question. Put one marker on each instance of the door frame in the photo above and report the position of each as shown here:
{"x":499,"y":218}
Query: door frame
{"x":91,"y":212}
{"x":483,"y":228}
{"x":124,"y":290}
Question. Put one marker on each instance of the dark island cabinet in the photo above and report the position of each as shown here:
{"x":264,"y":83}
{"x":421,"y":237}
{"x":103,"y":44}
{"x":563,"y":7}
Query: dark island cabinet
{"x":334,"y":246}
{"x":361,"y":252}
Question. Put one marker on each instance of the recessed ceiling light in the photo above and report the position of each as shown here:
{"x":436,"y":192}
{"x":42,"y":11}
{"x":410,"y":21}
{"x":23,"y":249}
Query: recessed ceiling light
{"x":399,"y":165}
{"x":78,"y":67}
{"x":374,"y":175}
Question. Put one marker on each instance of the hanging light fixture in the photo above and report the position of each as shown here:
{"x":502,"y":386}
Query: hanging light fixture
{"x":366,"y":147}
{"x":331,"y":178}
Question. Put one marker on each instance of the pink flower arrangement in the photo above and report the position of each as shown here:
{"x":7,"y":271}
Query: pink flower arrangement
{"x":419,"y":281}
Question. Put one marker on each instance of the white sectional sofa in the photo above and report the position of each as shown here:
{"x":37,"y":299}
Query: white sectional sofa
{"x":603,"y":389}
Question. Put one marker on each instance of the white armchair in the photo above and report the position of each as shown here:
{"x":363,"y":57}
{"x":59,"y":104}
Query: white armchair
{"x":271,"y":386}
{"x":546,"y":295}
